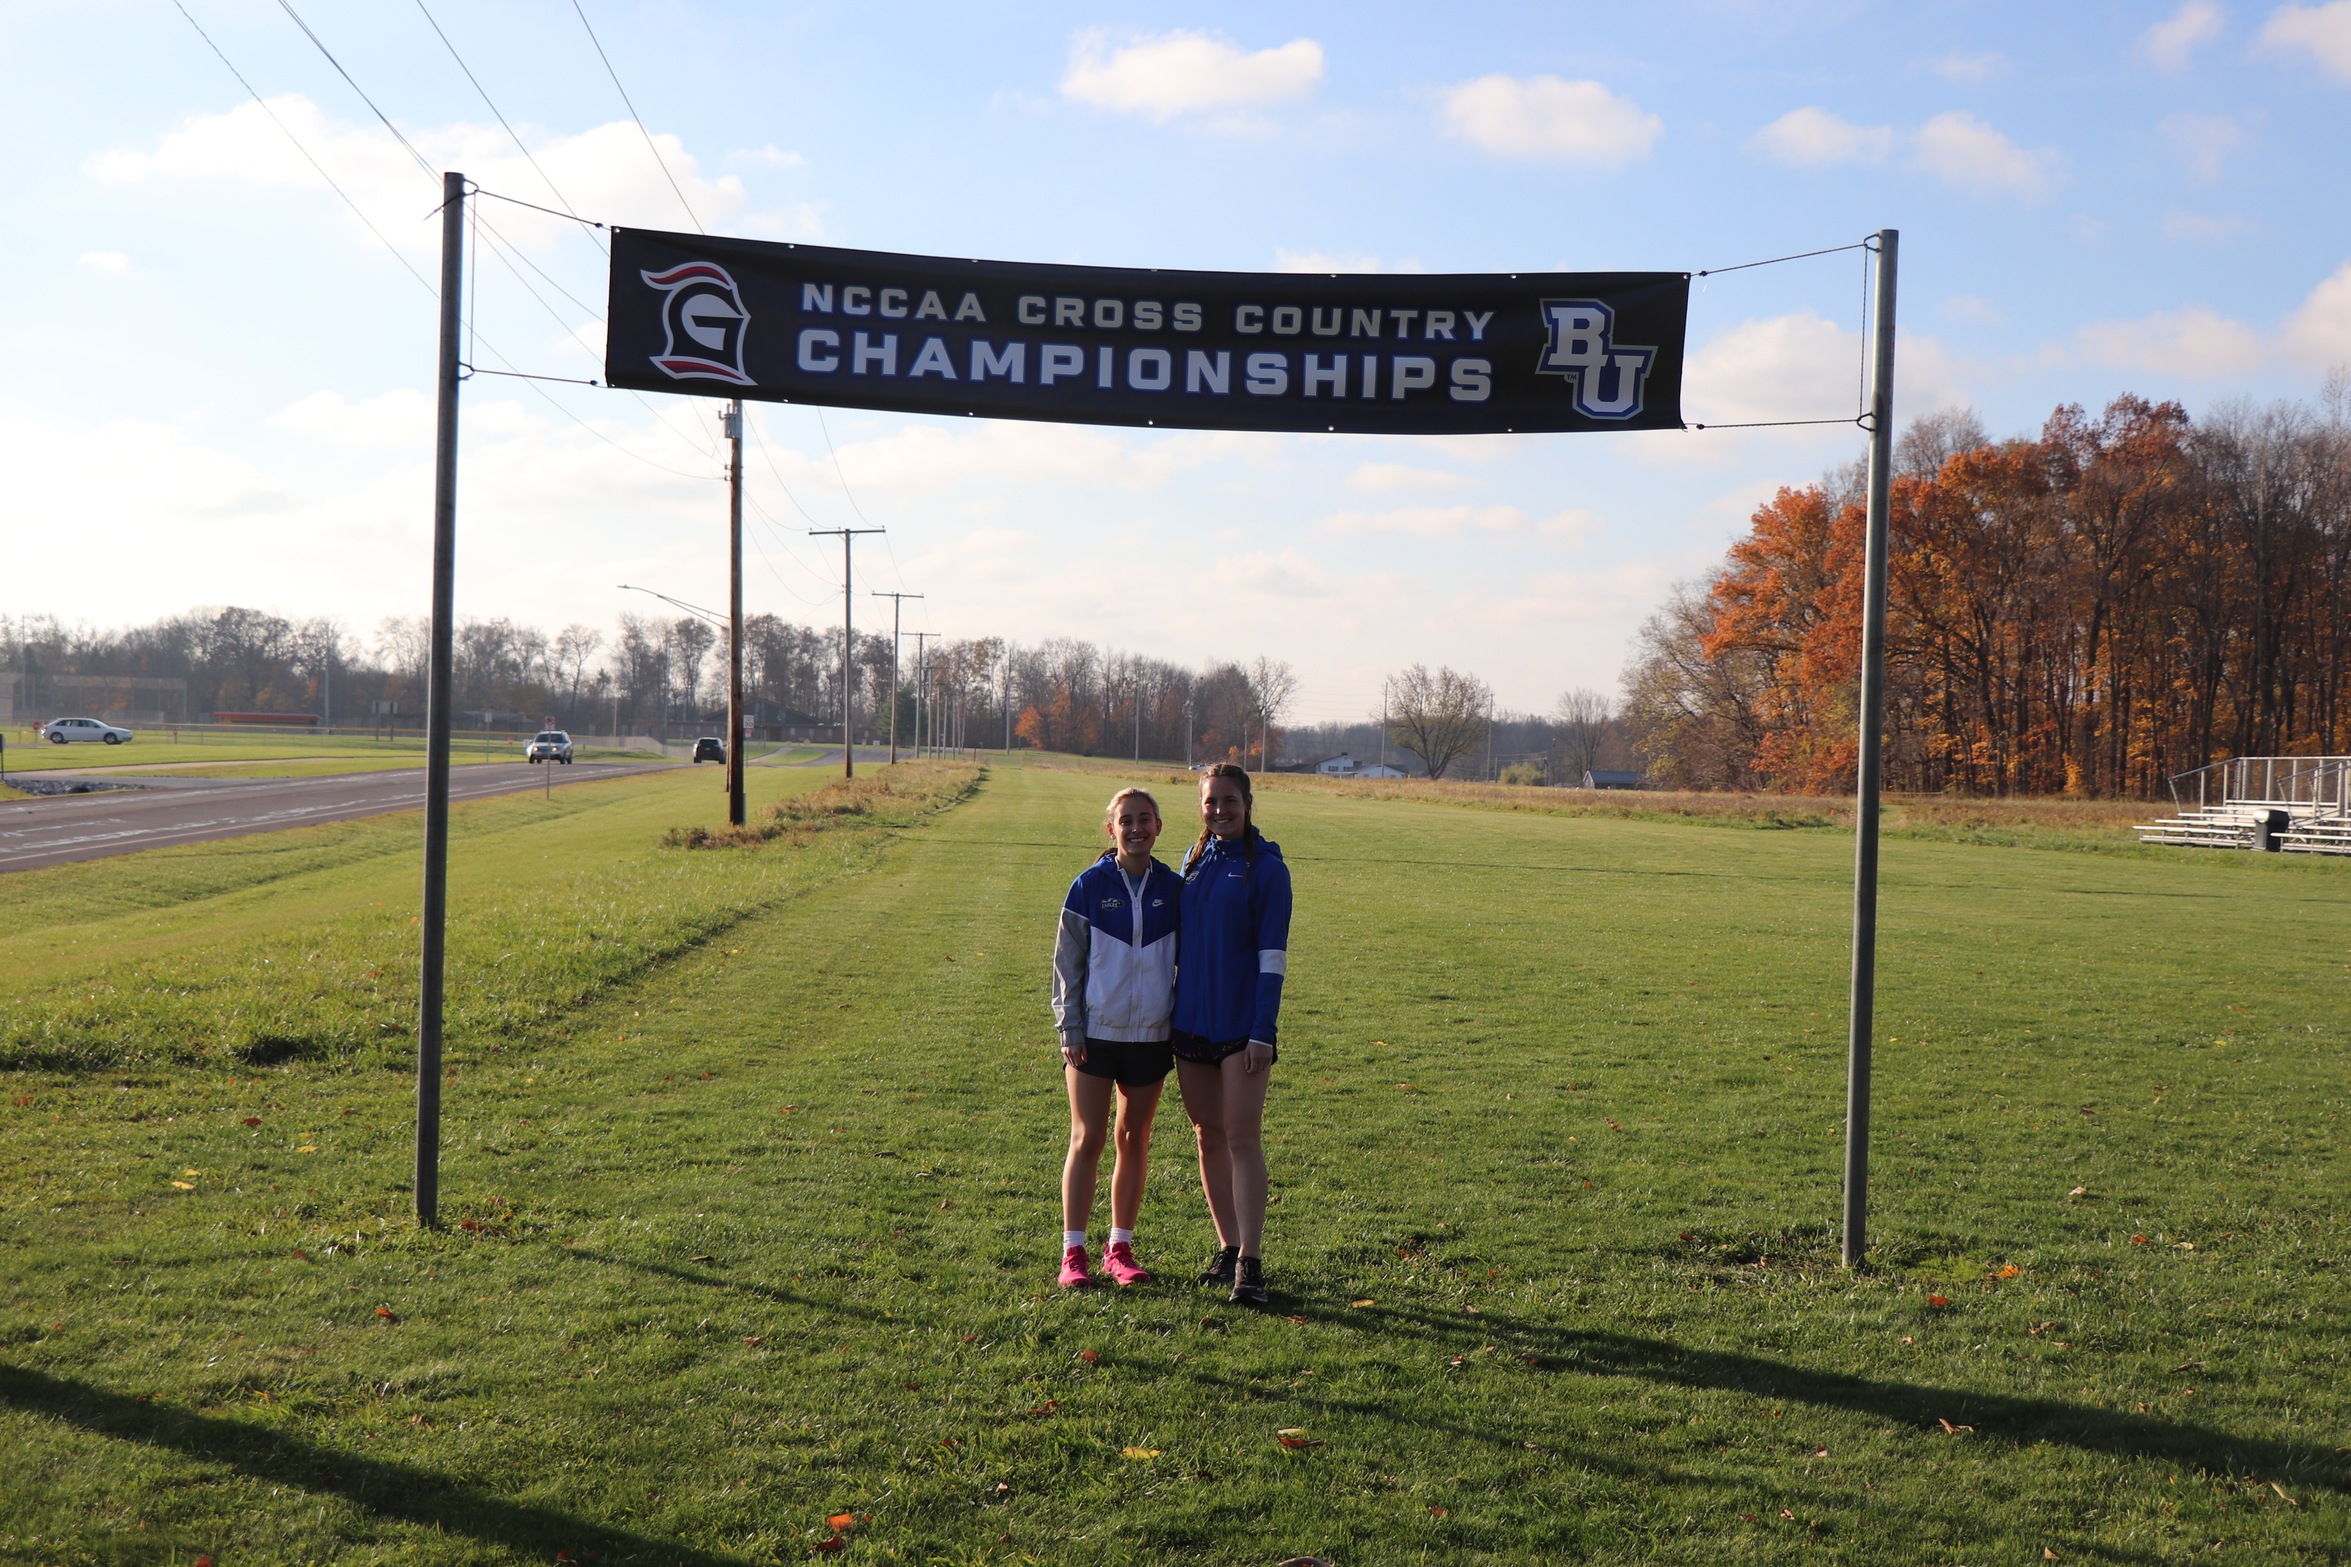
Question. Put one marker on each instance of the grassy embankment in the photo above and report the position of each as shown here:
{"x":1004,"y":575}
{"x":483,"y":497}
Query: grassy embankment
{"x":763,"y":1234}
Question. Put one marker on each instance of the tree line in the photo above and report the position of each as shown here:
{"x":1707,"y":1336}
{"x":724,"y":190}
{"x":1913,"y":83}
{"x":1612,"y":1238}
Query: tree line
{"x":2121,"y":598}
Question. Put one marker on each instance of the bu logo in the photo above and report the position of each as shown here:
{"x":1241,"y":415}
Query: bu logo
{"x":1607,"y":376}
{"x":702,"y":322}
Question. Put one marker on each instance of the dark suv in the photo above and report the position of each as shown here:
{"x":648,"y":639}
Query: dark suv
{"x":710,"y":748}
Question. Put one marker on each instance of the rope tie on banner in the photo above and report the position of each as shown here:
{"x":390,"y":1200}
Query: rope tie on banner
{"x":466,"y":372}
{"x":517,"y":201}
{"x":1773,"y":261}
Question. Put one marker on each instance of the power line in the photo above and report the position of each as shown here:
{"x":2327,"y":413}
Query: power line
{"x":634,"y":116}
{"x":422,"y":281}
{"x":495,"y":111}
{"x":421,"y":161}
{"x":846,"y":494}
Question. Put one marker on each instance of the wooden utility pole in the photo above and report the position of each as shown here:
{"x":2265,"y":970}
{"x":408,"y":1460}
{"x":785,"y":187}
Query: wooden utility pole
{"x":897,"y":603}
{"x":922,"y":707}
{"x":848,"y":648}
{"x":433,"y":921}
{"x":734,"y":422}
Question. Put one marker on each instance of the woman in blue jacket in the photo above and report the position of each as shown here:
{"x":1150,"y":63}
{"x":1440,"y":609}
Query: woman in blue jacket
{"x":1228,"y":998}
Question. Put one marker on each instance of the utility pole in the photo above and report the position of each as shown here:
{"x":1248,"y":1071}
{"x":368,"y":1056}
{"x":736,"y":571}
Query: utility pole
{"x":1008,"y":701}
{"x":1873,"y":721}
{"x":433,"y":922}
{"x":1138,"y":718}
{"x":848,"y":647}
{"x":1383,"y":723}
{"x":921,"y":707}
{"x":1187,"y":732}
{"x":734,"y":422}
{"x":897,"y":603}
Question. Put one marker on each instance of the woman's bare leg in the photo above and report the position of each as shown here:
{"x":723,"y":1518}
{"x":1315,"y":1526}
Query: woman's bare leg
{"x":1243,"y":1099}
{"x":1089,"y":1128}
{"x":1203,"y":1091}
{"x":1137,"y":1104}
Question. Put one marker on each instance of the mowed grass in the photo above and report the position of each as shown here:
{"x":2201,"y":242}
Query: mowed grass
{"x":764,"y":1236}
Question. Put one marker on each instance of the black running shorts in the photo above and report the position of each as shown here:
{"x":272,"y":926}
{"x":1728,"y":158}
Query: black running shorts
{"x":1134,"y":1062}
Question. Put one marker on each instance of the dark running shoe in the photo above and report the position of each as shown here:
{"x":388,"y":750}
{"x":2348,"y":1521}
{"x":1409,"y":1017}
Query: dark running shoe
{"x":1219,"y":1272}
{"x":1249,"y":1285}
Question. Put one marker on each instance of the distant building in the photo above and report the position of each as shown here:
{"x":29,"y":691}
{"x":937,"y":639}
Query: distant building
{"x":1379,"y":770}
{"x":1340,"y":766}
{"x":1595,"y":778}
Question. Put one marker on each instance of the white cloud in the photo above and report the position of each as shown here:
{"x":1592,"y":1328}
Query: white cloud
{"x":605,"y":172}
{"x":401,"y":417}
{"x":2194,"y":342}
{"x":1379,"y":478}
{"x":1429,"y":522}
{"x":1545,"y":117}
{"x":1970,"y":69}
{"x":2319,"y":334}
{"x":112,"y":262}
{"x":2321,"y":31}
{"x":1809,"y":137}
{"x":771,"y":155}
{"x":1961,"y":150}
{"x":1803,"y":366}
{"x":1975,"y":309}
{"x":2203,"y":141}
{"x":2173,"y":42}
{"x":1337,"y":261}
{"x":2195,"y":226}
{"x":1176,"y":73}
{"x":1287,"y":574}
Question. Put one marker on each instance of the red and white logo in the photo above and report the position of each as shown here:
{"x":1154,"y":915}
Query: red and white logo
{"x":702,"y":324}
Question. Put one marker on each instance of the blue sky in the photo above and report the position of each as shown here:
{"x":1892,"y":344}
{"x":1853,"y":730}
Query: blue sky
{"x":223,"y":378}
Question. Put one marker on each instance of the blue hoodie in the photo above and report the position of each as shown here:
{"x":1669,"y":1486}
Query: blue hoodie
{"x":1236,"y":940}
{"x":1114,"y":955}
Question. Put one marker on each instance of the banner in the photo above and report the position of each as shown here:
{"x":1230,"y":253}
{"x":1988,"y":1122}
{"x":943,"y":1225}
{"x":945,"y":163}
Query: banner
{"x":1377,"y":353}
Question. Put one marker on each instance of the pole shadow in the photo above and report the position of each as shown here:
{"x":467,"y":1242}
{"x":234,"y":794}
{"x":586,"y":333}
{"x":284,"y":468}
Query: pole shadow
{"x":397,"y":1492}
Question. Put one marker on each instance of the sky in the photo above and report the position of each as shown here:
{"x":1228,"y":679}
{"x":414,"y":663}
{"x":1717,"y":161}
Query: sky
{"x":222,"y":387}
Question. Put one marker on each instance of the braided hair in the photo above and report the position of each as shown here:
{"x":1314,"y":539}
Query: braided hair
{"x":1249,"y":834}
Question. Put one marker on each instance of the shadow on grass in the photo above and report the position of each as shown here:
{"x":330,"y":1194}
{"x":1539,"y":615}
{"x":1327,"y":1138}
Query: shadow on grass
{"x":1997,"y":1417}
{"x":392,"y":1491}
{"x":766,"y":1292}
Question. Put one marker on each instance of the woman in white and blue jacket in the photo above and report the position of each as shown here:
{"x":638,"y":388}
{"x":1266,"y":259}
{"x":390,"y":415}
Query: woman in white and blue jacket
{"x":1114,"y":956}
{"x":1228,"y":1001}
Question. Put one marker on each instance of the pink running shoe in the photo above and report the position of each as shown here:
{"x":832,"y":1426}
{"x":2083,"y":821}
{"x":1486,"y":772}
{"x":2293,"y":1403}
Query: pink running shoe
{"x":1119,"y":1262}
{"x":1073,"y":1269}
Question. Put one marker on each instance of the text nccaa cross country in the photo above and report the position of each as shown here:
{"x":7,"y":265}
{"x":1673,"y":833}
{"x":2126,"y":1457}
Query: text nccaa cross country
{"x":1095,"y":345}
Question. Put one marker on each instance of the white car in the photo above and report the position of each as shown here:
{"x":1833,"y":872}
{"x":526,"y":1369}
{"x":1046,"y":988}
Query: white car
{"x":551,"y":745}
{"x":64,"y":731}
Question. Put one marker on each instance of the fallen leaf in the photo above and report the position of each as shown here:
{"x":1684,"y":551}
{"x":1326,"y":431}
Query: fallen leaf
{"x":1820,"y":1452}
{"x":1686,"y":1235}
{"x":1907,"y":1339}
{"x":1138,"y":1452}
{"x":830,"y":1543}
{"x":1302,"y":1561}
{"x":203,"y":1561}
{"x":385,"y":1312}
{"x":1301,"y":1321}
{"x":842,"y":1523}
{"x":1784,"y":1513}
{"x":1472,"y":1310}
{"x":184,"y":1186}
{"x":1360,"y":1304}
{"x":1747,"y":1517}
{"x":2189,"y":1365}
{"x":2138,"y":1240}
{"x":252,"y":1120}
{"x":1531,"y":1358}
{"x":2011,"y":1271}
{"x":1938,"y":1300}
{"x":1089,"y":1357}
{"x":914,"y":1387}
{"x":2047,"y":1554}
{"x":467,"y":1224}
{"x":1952,"y":1429}
{"x":300,"y":1255}
{"x":2079,"y":1191}
{"x":1437,"y":1511}
{"x":1291,"y":1431}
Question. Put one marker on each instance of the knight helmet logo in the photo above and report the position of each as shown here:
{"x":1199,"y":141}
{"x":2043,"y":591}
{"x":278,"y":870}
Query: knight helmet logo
{"x":1607,"y":376}
{"x":702,"y":323}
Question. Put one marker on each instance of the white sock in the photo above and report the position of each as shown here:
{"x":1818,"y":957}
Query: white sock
{"x":1071,"y":1238}
{"x":1119,"y":1236}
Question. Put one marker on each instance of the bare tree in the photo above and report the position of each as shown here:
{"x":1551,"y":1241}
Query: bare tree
{"x":1438,"y":717}
{"x":1583,"y":716}
{"x":575,"y":645}
{"x":1273,"y":687}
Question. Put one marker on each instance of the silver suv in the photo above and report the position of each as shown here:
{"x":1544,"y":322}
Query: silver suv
{"x":551,"y":745}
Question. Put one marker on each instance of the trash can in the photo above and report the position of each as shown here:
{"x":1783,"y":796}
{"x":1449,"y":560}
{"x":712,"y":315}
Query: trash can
{"x":2271,"y":826}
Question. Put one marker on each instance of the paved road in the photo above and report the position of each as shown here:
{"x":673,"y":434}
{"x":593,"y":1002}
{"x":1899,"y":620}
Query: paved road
{"x":164,"y":811}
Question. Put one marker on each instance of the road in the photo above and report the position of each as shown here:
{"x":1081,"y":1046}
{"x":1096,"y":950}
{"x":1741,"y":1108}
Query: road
{"x":173,"y":810}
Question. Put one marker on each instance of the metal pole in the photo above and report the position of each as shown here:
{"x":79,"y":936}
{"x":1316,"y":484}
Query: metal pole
{"x":735,"y":612}
{"x":848,"y":642}
{"x":1008,"y":701}
{"x":1873,"y":724}
{"x":897,"y":604}
{"x":434,"y":920}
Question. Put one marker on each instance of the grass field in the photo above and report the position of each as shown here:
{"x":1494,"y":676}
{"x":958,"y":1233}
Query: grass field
{"x":758,"y":1231}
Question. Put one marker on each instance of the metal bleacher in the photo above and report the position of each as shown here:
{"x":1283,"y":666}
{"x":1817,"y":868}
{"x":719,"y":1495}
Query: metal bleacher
{"x":2282,"y":804}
